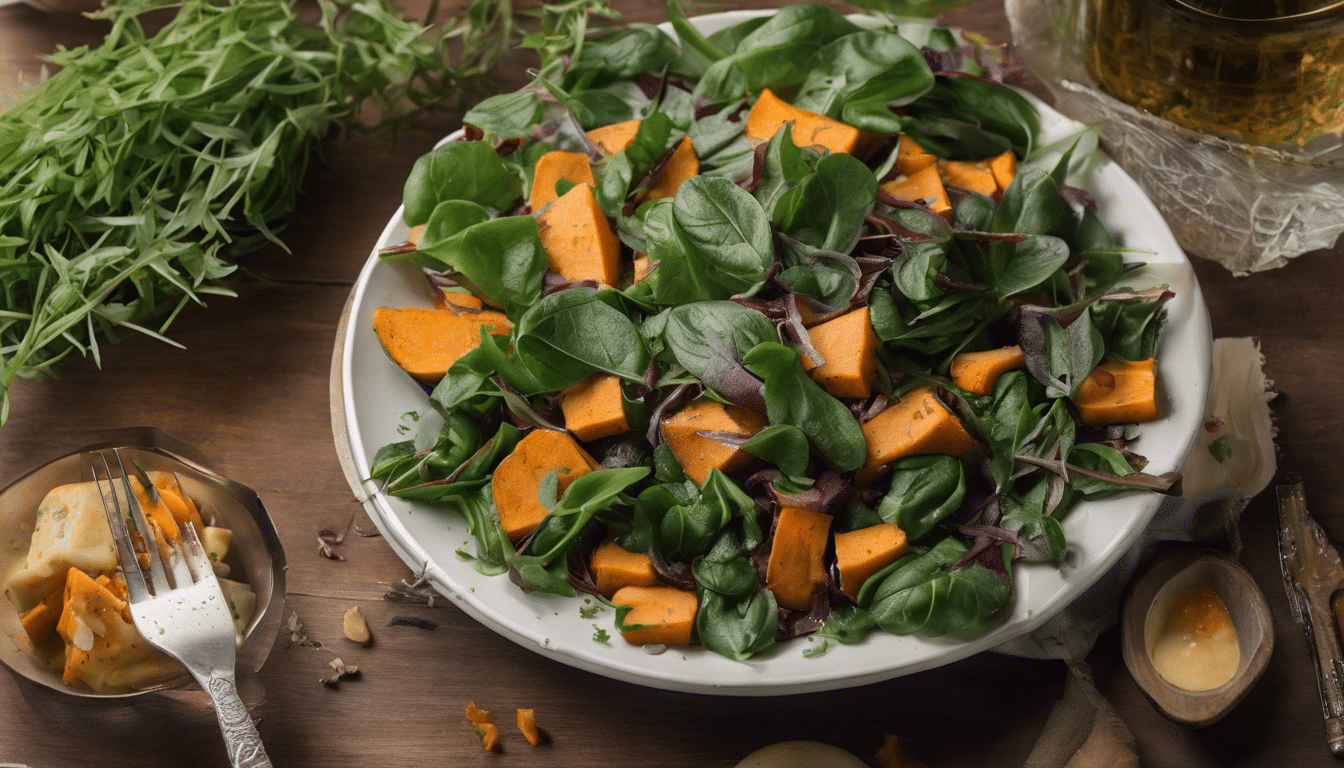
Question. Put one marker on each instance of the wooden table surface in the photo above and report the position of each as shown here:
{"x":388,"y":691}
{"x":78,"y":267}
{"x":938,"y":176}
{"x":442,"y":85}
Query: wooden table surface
{"x":251,"y":391}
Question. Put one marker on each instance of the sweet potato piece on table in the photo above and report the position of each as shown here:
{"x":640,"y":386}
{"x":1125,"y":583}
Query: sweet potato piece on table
{"x":809,"y":128}
{"x":918,"y":424}
{"x":518,"y":477}
{"x":859,"y":554}
{"x":527,"y":723}
{"x":665,"y":614}
{"x":682,"y":165}
{"x":977,"y":372}
{"x":974,"y":175}
{"x":1118,"y":391}
{"x":578,"y":239}
{"x":425,"y":342}
{"x":796,"y":571}
{"x":595,"y":408}
{"x":698,"y":455}
{"x":924,"y":187}
{"x":610,"y":139}
{"x":614,"y":568}
{"x":555,"y":166}
{"x":849,"y":347}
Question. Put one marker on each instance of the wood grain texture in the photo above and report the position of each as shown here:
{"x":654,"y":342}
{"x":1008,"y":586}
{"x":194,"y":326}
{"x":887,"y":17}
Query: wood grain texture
{"x":250,"y":391}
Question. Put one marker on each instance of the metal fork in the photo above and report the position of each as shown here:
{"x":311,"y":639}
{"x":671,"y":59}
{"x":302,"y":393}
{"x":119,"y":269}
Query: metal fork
{"x":182,"y":612}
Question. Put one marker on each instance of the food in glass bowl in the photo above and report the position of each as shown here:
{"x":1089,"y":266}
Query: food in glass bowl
{"x":71,"y":594}
{"x":786,"y":330}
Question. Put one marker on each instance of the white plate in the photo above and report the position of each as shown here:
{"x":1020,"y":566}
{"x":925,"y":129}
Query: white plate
{"x":376,"y":396}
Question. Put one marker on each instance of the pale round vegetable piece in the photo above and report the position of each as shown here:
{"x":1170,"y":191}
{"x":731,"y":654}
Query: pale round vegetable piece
{"x":801,"y":754}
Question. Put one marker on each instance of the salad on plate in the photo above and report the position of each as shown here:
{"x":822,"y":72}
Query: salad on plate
{"x":783,"y":330}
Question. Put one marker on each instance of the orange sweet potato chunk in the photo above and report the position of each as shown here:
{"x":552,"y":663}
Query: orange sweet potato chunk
{"x":417,"y":232}
{"x":610,"y":139}
{"x":697,"y":454}
{"x":809,"y":128}
{"x":527,"y":723}
{"x":849,"y":347}
{"x":556,"y":166}
{"x":859,"y":554}
{"x":975,"y":175}
{"x":578,"y":240}
{"x":923,"y":186}
{"x":796,"y":571}
{"x":614,"y":568}
{"x":1118,"y":391}
{"x":517,"y":479}
{"x":40,"y":620}
{"x":918,"y":424}
{"x":595,"y":408}
{"x":912,"y":158}
{"x":1004,"y":168}
{"x":457,"y":302}
{"x":643,"y":267}
{"x":425,"y":342}
{"x":682,"y":165}
{"x":977,"y":372}
{"x":665,"y":615}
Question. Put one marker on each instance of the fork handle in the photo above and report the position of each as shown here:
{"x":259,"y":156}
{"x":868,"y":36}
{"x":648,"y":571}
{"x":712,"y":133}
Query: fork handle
{"x":240,"y":733}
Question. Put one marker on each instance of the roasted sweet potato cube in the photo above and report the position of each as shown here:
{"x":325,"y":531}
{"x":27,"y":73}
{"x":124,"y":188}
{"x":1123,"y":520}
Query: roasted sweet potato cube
{"x":917,"y":424}
{"x":614,"y":568}
{"x":610,"y":139}
{"x":556,"y":166}
{"x":578,"y":240}
{"x":1118,"y":391}
{"x":662,"y":614}
{"x":517,"y":480}
{"x":682,"y":165}
{"x":977,"y":372}
{"x":425,"y":342}
{"x":796,"y":571}
{"x":809,"y":128}
{"x":859,"y":554}
{"x":697,"y":454}
{"x":924,"y":187}
{"x":643,"y":266}
{"x":595,"y":408}
{"x":974,"y":175}
{"x":912,"y":158}
{"x":1004,"y":168}
{"x":849,"y":347}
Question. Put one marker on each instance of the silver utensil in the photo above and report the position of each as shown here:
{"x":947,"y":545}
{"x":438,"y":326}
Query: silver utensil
{"x":1313,"y":576}
{"x":179,"y":609}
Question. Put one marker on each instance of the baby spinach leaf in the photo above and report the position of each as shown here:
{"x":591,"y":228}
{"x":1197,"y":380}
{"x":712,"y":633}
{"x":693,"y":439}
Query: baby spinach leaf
{"x":458,"y":170}
{"x":1032,"y":262}
{"x":916,"y":270}
{"x":792,"y":397}
{"x":571,"y":334}
{"x":827,"y":208}
{"x":690,"y":36}
{"x":953,"y":139}
{"x":786,"y":447}
{"x":1025,"y":512}
{"x":595,"y":107}
{"x":507,"y":115}
{"x":992,"y":106}
{"x":712,"y":242}
{"x":920,"y":596}
{"x":1101,"y":458}
{"x":1011,"y":419}
{"x":1059,"y":357}
{"x":859,"y":77}
{"x":493,"y":547}
{"x":628,"y":52}
{"x":847,"y":624}
{"x":1131,"y":327}
{"x":923,"y":491}
{"x":502,"y":258}
{"x":786,"y":164}
{"x":709,"y":338}
{"x":776,"y":54}
{"x":826,"y":281}
{"x":633,"y":162}
{"x":449,"y":219}
{"x":737,"y":628}
{"x":725,"y":568}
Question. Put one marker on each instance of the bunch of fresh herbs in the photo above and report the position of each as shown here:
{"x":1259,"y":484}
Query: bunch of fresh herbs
{"x":132,"y":178}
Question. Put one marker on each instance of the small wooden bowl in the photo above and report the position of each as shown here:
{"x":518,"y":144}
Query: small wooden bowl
{"x":1247,"y":607}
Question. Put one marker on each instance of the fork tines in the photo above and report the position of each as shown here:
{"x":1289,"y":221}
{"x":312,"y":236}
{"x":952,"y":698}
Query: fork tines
{"x":187,"y":561}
